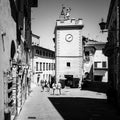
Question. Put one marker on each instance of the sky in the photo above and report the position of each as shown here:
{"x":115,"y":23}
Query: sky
{"x":43,"y":18}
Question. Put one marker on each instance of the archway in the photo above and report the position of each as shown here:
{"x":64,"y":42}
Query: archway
{"x":13,"y":50}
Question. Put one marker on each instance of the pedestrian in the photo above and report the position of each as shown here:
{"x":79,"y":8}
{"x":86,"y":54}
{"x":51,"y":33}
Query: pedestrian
{"x":48,"y":86}
{"x":54,"y":87}
{"x":38,"y":79}
{"x":45,"y":83}
{"x":29,"y":80}
{"x":59,"y":87}
{"x":42,"y":85}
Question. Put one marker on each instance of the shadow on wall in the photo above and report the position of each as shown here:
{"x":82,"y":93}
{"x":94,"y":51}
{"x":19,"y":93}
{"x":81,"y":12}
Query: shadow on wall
{"x":13,"y":10}
{"x":84,"y":109}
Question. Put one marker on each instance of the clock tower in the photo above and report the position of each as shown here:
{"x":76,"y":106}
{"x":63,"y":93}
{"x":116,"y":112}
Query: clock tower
{"x":68,"y":49}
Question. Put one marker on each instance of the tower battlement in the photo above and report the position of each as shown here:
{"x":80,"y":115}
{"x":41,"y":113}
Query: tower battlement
{"x":69,"y":22}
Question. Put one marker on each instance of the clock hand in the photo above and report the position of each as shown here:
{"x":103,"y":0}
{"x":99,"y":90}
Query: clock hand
{"x":69,"y":37}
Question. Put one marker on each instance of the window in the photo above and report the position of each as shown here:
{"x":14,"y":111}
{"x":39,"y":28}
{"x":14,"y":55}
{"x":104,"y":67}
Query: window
{"x":52,"y":66}
{"x":40,"y":52}
{"x":95,"y":64}
{"x":46,"y":66}
{"x":49,"y":66}
{"x":43,"y":66}
{"x":104,"y":64}
{"x":68,"y":64}
{"x":52,"y":55}
{"x":46,"y":53}
{"x":36,"y":66}
{"x":49,"y":54}
{"x":43,"y":53}
{"x":37,"y":51}
{"x":87,"y":58}
{"x":40,"y":66}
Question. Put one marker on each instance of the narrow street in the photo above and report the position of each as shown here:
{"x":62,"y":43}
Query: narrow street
{"x":66,"y":46}
{"x":72,"y":104}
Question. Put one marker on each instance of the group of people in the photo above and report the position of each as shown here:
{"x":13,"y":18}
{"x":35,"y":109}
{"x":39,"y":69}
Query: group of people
{"x":46,"y":84}
{"x":56,"y":87}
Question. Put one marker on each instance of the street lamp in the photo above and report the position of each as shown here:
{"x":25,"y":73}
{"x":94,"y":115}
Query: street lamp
{"x":102,"y":25}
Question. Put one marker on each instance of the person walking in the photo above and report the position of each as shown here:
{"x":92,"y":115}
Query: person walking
{"x":59,"y":88}
{"x":29,"y":80}
{"x":42,"y":85}
{"x":48,"y":86}
{"x":38,"y":79}
{"x":54,"y":87}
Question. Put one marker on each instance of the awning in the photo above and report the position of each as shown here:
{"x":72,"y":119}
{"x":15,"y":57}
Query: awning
{"x":100,"y":72}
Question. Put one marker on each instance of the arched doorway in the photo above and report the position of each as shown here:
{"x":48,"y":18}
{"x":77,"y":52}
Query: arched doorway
{"x":13,"y":50}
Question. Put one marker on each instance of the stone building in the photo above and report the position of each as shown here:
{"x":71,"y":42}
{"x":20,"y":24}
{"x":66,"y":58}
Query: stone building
{"x":7,"y":39}
{"x":112,"y":51}
{"x":95,"y":62}
{"x":15,"y":42}
{"x":42,"y":64}
{"x":68,"y":49}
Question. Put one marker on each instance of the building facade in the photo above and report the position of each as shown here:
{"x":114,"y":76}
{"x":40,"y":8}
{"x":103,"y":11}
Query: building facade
{"x":112,"y":51}
{"x":15,"y":42}
{"x":100,"y":66}
{"x":43,"y":64}
{"x":7,"y":37}
{"x":95,"y":62}
{"x":68,"y":48}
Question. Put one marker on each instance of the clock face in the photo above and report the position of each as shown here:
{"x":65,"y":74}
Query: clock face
{"x":68,"y":37}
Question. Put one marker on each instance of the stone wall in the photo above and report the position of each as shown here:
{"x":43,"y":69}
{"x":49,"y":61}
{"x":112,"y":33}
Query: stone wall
{"x":7,"y":34}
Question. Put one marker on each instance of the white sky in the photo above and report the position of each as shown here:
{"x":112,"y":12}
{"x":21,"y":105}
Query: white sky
{"x":91,"y":11}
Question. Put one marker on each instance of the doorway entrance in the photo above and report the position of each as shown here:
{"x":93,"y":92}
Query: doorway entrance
{"x":98,"y":78}
{"x":69,"y":80}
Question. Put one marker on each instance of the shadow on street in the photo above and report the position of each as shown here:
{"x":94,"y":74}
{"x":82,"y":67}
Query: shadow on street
{"x":72,"y":108}
{"x":95,"y":86}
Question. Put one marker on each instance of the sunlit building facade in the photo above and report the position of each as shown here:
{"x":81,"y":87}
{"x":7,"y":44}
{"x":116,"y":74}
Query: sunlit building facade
{"x":15,"y":43}
{"x":68,"y":49}
{"x":42,"y":64}
{"x":95,"y":62}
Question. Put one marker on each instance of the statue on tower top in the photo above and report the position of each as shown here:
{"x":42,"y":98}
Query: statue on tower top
{"x":68,"y":13}
{"x":65,"y":13}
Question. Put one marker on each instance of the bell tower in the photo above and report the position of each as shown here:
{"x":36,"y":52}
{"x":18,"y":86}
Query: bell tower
{"x":68,"y":47}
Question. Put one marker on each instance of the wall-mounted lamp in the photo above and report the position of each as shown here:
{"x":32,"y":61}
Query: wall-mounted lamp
{"x":103,"y":28}
{"x":102,"y":25}
{"x":3,"y":33}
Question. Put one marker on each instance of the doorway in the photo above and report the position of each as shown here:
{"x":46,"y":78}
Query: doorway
{"x":69,"y":80}
{"x":98,"y":78}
